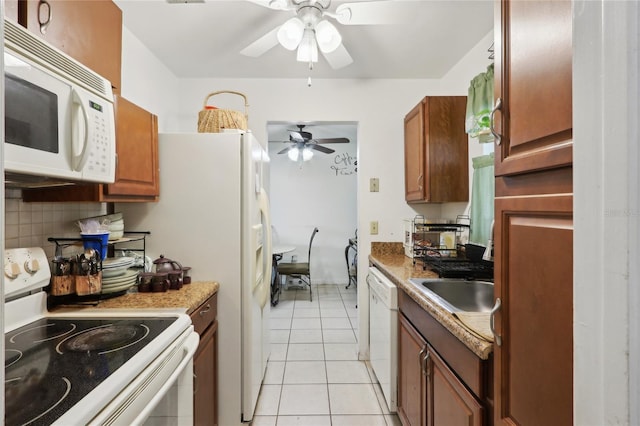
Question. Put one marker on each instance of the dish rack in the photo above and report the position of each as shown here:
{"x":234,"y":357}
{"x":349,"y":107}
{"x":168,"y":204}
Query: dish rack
{"x":135,"y":241}
{"x":438,"y":241}
{"x":128,"y":237}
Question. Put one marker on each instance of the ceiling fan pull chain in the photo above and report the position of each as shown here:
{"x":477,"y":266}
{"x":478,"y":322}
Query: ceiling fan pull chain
{"x":310,"y":69}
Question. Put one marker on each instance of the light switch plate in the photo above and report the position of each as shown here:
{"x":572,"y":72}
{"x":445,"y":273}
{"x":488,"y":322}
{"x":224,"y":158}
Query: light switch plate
{"x":374,"y":185}
{"x":373,"y":227}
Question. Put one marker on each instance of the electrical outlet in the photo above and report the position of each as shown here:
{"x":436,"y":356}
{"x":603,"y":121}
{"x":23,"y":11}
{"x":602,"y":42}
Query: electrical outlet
{"x":374,"y":185}
{"x":373,"y":227}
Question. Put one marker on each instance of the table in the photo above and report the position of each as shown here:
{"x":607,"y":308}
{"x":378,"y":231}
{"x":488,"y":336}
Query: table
{"x":278,"y":250}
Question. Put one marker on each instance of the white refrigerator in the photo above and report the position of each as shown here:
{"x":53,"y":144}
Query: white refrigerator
{"x":213,"y":215}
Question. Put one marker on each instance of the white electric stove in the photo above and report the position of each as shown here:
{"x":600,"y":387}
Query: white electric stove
{"x":90,"y":366}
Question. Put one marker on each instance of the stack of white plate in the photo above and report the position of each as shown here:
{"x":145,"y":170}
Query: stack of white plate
{"x":115,"y":266}
{"x":116,"y":275}
{"x":120,"y":283}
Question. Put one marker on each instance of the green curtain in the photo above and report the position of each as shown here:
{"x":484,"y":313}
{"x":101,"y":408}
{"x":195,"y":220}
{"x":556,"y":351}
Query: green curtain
{"x":479,"y":106}
{"x":482,"y":198}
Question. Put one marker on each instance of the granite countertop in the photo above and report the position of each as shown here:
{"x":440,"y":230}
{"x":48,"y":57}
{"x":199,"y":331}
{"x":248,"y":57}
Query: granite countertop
{"x":390,"y":259}
{"x":189,"y":297}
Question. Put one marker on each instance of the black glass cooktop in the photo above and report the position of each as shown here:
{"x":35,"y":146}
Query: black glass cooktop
{"x":51,"y":364}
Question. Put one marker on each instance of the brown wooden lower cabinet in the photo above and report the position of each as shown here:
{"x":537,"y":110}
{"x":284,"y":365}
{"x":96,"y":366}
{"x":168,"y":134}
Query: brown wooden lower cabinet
{"x":450,"y":402}
{"x":204,"y":370}
{"x":412,"y":383}
{"x":430,"y":392}
{"x":205,"y":364}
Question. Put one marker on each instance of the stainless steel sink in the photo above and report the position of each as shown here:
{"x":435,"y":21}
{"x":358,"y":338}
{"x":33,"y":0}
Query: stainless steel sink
{"x":456,"y":295}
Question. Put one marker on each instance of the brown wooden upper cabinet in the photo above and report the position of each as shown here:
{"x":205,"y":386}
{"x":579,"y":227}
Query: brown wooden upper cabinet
{"x":533,"y":370}
{"x":436,"y":151}
{"x":137,"y":173}
{"x":90,"y":31}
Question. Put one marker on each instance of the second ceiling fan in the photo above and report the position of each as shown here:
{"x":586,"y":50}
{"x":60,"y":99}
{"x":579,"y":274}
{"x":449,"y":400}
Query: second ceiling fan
{"x":303,"y":143}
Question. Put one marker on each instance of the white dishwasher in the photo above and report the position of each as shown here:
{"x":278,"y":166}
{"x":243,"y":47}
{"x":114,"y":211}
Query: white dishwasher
{"x":383,"y":333}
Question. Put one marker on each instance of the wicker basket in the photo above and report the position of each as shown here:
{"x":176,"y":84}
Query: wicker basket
{"x":214,"y":120}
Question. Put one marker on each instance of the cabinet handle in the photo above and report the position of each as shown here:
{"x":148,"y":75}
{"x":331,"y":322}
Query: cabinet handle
{"x":495,"y":134}
{"x":420,"y":359}
{"x":420,"y":181}
{"x":495,"y":309}
{"x":205,"y":310}
{"x":44,"y":24}
{"x":425,"y":364}
{"x":195,"y":383}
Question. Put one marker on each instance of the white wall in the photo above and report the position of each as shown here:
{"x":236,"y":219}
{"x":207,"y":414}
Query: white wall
{"x":315,"y":193}
{"x":147,"y":82}
{"x":606,"y":213}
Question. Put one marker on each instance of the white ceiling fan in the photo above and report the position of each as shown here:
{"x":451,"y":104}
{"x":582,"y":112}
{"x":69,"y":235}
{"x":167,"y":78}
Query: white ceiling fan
{"x":310,"y":30}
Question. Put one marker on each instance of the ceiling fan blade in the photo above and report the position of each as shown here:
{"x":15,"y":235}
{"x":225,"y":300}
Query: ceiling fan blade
{"x":339,"y":58}
{"x":272,"y":4}
{"x":379,"y":12}
{"x":332,"y":140}
{"x":321,"y":148}
{"x":299,"y":136}
{"x":284,"y":150}
{"x":262,"y":45}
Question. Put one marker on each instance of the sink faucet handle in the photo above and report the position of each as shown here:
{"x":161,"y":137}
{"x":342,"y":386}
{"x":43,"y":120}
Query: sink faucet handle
{"x":488,"y":252}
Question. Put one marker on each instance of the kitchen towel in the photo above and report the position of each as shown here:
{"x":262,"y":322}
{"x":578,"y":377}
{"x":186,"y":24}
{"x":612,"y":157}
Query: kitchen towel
{"x":479,"y":106}
{"x":482,"y":199}
{"x":477,"y":323}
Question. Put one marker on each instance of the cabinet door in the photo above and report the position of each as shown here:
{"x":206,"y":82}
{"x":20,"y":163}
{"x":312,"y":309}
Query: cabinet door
{"x":534,"y":281}
{"x":205,"y":371}
{"x":89,"y":31}
{"x":533,"y":80}
{"x":414,"y":178}
{"x":435,"y":151}
{"x":412,"y":385}
{"x":446,"y":167}
{"x":533,"y":211}
{"x":450,"y":402}
{"x":137,"y":149}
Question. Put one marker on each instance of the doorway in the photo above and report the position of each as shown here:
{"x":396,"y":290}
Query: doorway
{"x":321,"y":191}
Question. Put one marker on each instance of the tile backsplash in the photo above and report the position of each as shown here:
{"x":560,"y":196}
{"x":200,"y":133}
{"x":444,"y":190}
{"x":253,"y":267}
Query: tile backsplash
{"x":31,"y":224}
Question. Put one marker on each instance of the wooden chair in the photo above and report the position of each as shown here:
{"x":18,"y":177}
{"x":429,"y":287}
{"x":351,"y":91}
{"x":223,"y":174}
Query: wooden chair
{"x":300,"y":270}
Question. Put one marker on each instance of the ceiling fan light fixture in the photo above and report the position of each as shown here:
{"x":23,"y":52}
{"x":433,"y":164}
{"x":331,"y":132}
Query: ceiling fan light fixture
{"x":293,"y":154}
{"x":327,"y":36}
{"x":307,"y":154}
{"x":308,"y":48}
{"x":291,"y":33}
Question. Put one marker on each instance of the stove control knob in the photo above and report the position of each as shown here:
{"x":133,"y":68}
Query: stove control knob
{"x":11,"y":270}
{"x":32,"y":266}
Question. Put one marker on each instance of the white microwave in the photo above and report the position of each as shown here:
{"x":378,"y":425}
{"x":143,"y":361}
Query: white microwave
{"x":59,"y":115}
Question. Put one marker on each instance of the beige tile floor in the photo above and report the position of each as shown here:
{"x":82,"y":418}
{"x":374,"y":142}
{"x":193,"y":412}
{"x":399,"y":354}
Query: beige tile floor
{"x":313,"y":376}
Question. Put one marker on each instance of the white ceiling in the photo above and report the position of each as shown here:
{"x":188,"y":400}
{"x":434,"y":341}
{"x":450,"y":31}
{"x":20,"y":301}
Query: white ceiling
{"x":203,"y":40}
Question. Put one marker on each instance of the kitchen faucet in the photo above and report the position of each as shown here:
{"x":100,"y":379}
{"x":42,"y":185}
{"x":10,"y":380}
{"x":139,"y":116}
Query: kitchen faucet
{"x":488,"y":252}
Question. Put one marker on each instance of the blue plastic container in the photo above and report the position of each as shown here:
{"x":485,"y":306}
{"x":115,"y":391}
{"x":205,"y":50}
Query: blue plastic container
{"x":98,"y":242}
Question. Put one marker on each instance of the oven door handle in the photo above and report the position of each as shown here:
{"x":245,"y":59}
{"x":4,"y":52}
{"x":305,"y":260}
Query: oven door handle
{"x":189,"y":349}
